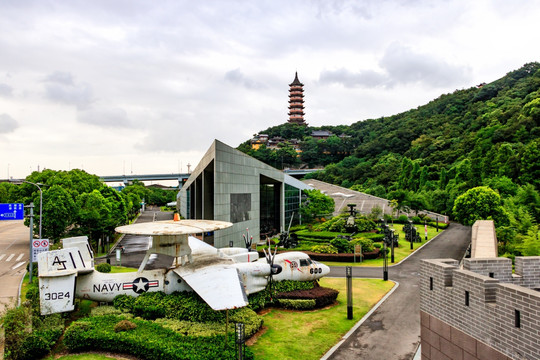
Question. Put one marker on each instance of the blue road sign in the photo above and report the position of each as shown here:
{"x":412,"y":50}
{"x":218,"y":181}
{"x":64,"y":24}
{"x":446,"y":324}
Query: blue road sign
{"x":11,"y":211}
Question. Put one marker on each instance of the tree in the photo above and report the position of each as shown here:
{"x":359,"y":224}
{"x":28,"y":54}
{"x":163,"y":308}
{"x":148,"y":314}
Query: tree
{"x":531,"y":243}
{"x":58,"y":212}
{"x":118,"y":214}
{"x":530,"y":171}
{"x":479,"y":203}
{"x":94,"y":213}
{"x":316,"y":204}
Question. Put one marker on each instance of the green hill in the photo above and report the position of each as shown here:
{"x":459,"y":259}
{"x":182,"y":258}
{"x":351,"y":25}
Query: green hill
{"x":428,"y":156}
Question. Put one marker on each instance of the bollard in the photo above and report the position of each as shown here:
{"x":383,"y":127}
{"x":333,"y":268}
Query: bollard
{"x":348,"y":273}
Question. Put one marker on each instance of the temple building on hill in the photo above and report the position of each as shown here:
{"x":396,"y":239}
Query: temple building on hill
{"x":296,"y":102}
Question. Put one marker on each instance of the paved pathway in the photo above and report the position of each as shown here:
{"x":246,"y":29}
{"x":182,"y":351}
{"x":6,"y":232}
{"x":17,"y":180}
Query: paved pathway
{"x":14,"y":253}
{"x":393,"y":330}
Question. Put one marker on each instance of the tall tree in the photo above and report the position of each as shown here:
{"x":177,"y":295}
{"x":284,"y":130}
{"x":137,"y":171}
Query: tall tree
{"x":479,"y":203}
{"x":58,"y":212}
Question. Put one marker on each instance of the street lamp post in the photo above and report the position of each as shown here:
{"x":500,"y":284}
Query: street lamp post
{"x":410,"y":233}
{"x":392,"y":245}
{"x":385,"y":263}
{"x":40,"y":202}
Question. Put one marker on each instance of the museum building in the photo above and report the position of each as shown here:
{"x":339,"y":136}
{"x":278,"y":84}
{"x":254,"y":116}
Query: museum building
{"x":229,"y":185}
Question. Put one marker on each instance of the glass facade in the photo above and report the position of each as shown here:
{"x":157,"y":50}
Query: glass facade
{"x":292,"y":205}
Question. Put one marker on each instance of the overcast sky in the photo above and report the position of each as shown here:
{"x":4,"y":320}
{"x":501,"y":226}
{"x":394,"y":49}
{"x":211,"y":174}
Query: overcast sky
{"x":144,"y":87}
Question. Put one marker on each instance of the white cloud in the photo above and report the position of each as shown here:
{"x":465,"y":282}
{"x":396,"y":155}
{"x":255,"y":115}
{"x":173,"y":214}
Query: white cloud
{"x":402,"y":65}
{"x":61,"y":87}
{"x":104,"y":117}
{"x":237,"y":77}
{"x":7,"y":124}
{"x":6,"y":90}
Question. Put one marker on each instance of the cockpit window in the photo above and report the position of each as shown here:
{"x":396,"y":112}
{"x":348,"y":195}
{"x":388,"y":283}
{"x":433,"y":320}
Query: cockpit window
{"x":303,"y":262}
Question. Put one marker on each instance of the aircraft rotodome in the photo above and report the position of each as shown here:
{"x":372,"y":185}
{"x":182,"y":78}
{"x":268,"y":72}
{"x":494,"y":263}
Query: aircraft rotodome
{"x":221,"y":277}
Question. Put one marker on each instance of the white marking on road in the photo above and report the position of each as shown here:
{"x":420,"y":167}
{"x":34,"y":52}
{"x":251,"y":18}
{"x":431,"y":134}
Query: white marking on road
{"x":19,"y":264}
{"x":10,"y":257}
{"x":19,"y":257}
{"x":2,"y":256}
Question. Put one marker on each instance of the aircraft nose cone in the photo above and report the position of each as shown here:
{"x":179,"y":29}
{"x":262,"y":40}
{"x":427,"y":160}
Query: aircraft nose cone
{"x":325,"y":269}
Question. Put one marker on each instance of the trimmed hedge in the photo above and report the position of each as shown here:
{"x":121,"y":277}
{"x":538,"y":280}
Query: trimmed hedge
{"x":263,"y":298}
{"x":148,"y":340}
{"x":321,"y":295}
{"x":300,"y":304}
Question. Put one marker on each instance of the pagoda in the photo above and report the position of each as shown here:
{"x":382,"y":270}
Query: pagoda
{"x":296,"y":102}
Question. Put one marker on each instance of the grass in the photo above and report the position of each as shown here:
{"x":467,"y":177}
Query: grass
{"x":122,"y":269}
{"x":400,"y":252}
{"x":309,"y":335}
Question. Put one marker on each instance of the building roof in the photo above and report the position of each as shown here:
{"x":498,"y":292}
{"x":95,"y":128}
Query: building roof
{"x":321,"y":133}
{"x":296,"y":81}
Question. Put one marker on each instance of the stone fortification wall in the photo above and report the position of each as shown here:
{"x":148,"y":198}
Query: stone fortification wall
{"x":481,"y":312}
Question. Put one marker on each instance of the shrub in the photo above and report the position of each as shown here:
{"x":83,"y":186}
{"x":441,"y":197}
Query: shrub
{"x":402,"y":219}
{"x":364,"y":225}
{"x":149,"y":340}
{"x":367,"y":244}
{"x":297,"y":304}
{"x":324,"y":249}
{"x":108,"y":310}
{"x":103,"y":268}
{"x":327,"y":225}
{"x":124,"y":302}
{"x":15,"y":327}
{"x":416,"y":219}
{"x":377,"y":245}
{"x":124,"y":325}
{"x":20,"y":343}
{"x":259,"y":300}
{"x":342,"y":245}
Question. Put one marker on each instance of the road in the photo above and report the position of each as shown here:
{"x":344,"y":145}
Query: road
{"x":393,"y":330}
{"x":14,"y":254}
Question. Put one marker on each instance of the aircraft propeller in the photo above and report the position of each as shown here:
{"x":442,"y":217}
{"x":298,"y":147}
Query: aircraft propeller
{"x":274,"y":268}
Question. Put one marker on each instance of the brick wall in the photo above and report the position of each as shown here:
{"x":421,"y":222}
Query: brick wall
{"x":466,"y":315}
{"x":442,"y":341}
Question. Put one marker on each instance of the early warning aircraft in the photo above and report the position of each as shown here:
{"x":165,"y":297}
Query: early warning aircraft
{"x":222,"y":277}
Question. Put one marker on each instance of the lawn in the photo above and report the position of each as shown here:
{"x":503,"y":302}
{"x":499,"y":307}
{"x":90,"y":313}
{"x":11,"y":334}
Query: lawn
{"x":400,"y":252}
{"x":310,"y":334}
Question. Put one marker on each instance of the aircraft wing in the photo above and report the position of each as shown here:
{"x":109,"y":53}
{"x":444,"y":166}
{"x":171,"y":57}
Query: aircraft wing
{"x":219,"y":285}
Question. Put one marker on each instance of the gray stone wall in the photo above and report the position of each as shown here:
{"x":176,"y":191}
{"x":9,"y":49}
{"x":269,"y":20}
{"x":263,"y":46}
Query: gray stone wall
{"x":483,"y":308}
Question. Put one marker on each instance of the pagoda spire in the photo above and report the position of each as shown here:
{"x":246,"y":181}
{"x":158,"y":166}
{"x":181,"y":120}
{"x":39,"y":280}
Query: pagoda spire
{"x":296,"y":102}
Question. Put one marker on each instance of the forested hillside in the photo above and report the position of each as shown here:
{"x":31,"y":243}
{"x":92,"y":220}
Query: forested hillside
{"x":427,"y":157}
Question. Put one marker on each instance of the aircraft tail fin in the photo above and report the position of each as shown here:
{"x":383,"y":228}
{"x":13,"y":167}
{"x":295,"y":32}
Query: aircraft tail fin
{"x":58,"y":270}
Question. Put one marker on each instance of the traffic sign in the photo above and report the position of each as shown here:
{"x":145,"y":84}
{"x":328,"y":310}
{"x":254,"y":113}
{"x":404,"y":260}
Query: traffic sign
{"x":11,"y":211}
{"x":39,"y":245}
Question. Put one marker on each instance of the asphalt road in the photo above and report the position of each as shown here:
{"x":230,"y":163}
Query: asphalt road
{"x":393,"y":330}
{"x":14,"y":254}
